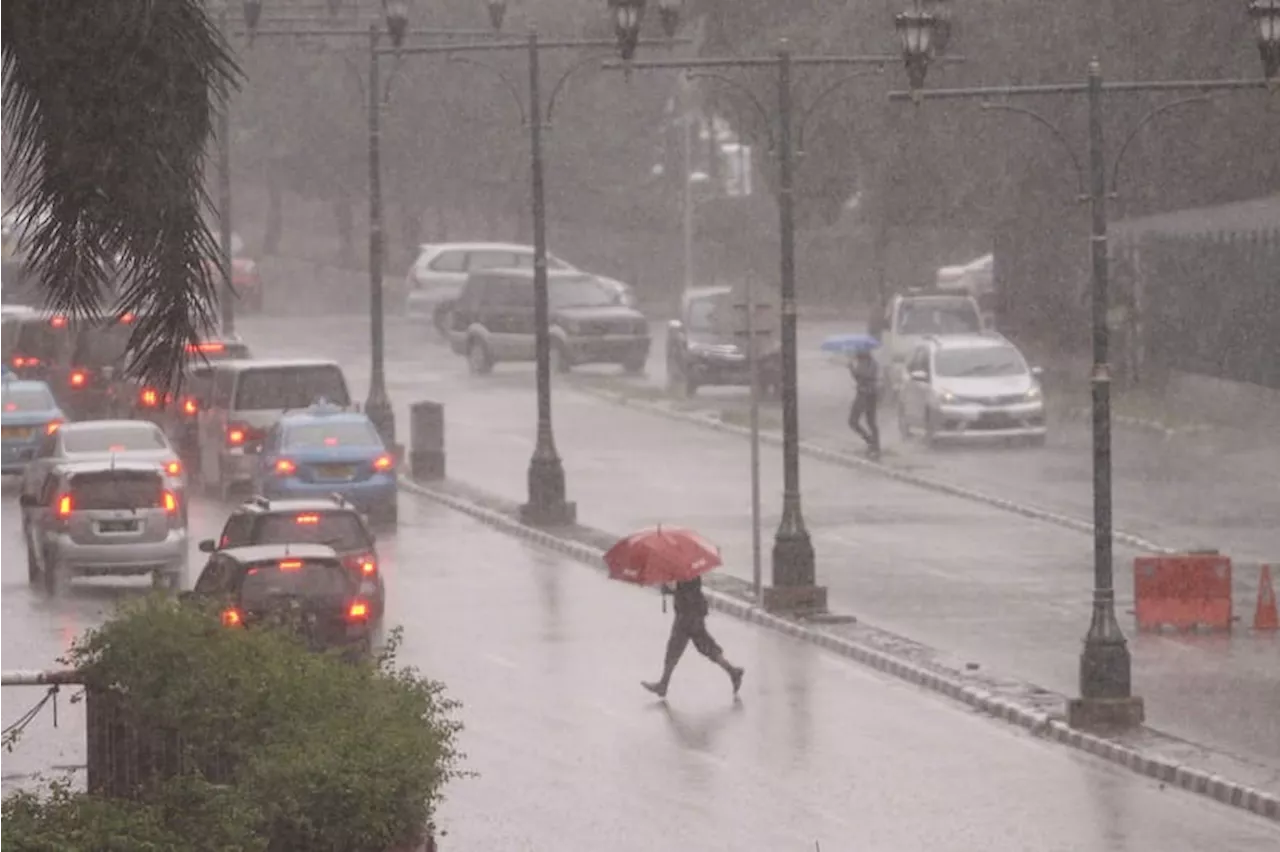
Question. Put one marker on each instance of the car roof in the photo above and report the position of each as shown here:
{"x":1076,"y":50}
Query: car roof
{"x":18,"y":311}
{"x":970,"y":341}
{"x":12,"y":384}
{"x":105,"y":464}
{"x":526,"y":274}
{"x":268,"y":552}
{"x":442,"y":247}
{"x":288,"y":505}
{"x":272,"y":363}
{"x":93,"y":425}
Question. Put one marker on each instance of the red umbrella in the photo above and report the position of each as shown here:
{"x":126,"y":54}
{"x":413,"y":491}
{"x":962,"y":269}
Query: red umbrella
{"x":661,"y":555}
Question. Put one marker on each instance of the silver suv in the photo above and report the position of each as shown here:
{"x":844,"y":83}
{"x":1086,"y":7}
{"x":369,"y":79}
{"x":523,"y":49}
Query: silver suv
{"x":106,"y":517}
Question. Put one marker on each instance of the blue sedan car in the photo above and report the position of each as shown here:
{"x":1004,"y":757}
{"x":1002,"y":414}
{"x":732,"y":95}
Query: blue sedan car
{"x":30,"y":413}
{"x":326,"y":450}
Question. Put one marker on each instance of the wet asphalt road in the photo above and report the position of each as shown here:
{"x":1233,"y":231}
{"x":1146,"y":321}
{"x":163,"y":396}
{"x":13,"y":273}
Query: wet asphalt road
{"x":546,"y":657}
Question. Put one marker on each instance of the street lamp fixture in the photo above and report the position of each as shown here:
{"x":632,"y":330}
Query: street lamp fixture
{"x":397,"y":12}
{"x":627,"y":15}
{"x":252,"y":14}
{"x":669,"y":14}
{"x":1266,"y":13}
{"x":916,"y":29}
{"x":941,"y":12}
{"x":497,"y":11}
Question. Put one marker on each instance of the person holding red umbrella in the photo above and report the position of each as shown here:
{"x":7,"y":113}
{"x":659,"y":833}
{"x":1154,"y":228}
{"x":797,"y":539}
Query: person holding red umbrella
{"x":690,"y":625}
{"x":675,"y":559}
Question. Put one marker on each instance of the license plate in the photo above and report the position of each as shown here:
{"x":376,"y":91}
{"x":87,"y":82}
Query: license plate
{"x":117,"y":526}
{"x":17,"y":433}
{"x":335,"y":471}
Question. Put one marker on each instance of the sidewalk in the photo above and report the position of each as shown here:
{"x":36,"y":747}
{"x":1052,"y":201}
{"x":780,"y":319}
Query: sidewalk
{"x":1007,"y":593}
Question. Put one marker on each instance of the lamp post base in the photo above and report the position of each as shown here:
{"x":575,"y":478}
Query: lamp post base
{"x":793,"y":558}
{"x":1105,"y":713}
{"x":547,"y":506}
{"x":795,"y":600}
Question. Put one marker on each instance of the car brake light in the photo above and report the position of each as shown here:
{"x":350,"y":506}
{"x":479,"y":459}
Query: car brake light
{"x":65,"y":505}
{"x":149,"y":397}
{"x":126,"y":318}
{"x":170,"y":502}
{"x":231,"y":617}
{"x":235,"y":435}
{"x":383,"y":462}
{"x":189,"y":406}
{"x":307,"y":519}
{"x":58,"y":321}
{"x":116,"y":448}
{"x":368,"y":566}
{"x":78,"y":378}
{"x":207,"y":346}
{"x":358,"y":610}
{"x":52,"y":426}
{"x":331,"y":442}
{"x":20,"y":361}
{"x":290,"y":564}
{"x":11,"y":406}
{"x":284,"y":467}
{"x":173,"y":468}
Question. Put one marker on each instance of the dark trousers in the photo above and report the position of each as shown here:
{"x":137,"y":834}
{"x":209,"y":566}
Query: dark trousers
{"x":686,"y":629}
{"x":864,"y":409}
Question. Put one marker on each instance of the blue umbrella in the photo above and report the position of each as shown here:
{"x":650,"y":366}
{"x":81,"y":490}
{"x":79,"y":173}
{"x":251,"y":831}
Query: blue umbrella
{"x":850,"y":344}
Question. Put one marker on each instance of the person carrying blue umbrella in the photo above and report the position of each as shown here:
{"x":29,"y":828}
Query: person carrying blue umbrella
{"x":862,"y":415}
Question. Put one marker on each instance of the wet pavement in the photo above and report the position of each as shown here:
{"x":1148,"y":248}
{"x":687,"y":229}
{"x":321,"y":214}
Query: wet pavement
{"x":546,"y":657}
{"x":1006,"y":592}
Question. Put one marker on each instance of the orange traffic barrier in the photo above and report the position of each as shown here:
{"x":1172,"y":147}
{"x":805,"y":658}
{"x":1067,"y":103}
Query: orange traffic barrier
{"x":1184,"y":591}
{"x":1264,"y":616}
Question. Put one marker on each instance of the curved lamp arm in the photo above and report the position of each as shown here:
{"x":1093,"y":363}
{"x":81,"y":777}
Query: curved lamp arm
{"x":823,"y":95}
{"x":1137,"y":128}
{"x":750,"y":95}
{"x":555,"y":90}
{"x":1057,"y":134}
{"x":506,"y":81}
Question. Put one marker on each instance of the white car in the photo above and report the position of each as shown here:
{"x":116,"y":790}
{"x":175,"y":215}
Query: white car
{"x":435,"y":279}
{"x":971,"y":387}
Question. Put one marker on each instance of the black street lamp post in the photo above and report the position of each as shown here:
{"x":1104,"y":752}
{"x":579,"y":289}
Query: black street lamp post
{"x":793,"y":565}
{"x":547,"y":504}
{"x":1106,"y":697}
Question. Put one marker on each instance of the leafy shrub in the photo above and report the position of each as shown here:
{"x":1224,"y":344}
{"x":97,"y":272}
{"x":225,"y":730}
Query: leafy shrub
{"x":318,"y":753}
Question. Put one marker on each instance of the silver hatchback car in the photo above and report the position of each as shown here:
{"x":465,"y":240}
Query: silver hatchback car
{"x":104,"y":517}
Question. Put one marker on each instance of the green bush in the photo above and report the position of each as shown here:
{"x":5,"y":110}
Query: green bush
{"x":318,"y":753}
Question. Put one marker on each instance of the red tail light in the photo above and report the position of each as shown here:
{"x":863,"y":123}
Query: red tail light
{"x":364,"y":563}
{"x":65,"y":506}
{"x":189,"y":407}
{"x":232,"y":617}
{"x":173,"y":468}
{"x":239,"y":434}
{"x":284,"y":467}
{"x":58,"y":321}
{"x":307,"y":519}
{"x":170,"y":502}
{"x":358,"y":611}
{"x":20,"y":361}
{"x":149,"y":398}
{"x":127,"y":318}
{"x":290,"y":564}
{"x":383,"y":463}
{"x":78,"y":378}
{"x":206,"y":347}
{"x":52,"y":426}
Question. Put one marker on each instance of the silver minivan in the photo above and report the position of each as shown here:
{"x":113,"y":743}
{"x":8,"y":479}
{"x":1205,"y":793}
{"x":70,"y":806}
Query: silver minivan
{"x":245,"y":399}
{"x":104,"y":517}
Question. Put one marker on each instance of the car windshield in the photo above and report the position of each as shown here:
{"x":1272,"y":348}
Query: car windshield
{"x":939,"y":316}
{"x":580,"y":293}
{"x":113,"y":439}
{"x":100,"y":347}
{"x":39,"y":338}
{"x":117,"y":489}
{"x":27,"y":399}
{"x":702,"y":312}
{"x":987,"y":361}
{"x":340,"y":530}
{"x":277,"y":388}
{"x":344,"y":433}
{"x":300,"y":578}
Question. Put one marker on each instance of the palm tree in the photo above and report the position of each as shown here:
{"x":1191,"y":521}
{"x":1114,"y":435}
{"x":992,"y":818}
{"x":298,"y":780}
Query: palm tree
{"x":108,"y":106}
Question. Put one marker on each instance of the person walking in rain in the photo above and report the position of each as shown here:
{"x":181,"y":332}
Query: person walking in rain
{"x":690,"y":625}
{"x":866,"y":374}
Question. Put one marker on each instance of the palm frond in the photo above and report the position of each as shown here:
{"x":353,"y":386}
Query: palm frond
{"x":109,"y":106}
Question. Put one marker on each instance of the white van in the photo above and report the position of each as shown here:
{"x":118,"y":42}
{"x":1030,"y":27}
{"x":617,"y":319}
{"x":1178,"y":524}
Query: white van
{"x":245,"y":399}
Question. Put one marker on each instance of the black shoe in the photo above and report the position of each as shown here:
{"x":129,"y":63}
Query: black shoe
{"x":659,"y":689}
{"x":735,"y":677}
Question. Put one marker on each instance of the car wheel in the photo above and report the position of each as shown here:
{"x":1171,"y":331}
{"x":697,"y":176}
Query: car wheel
{"x":479,"y":361}
{"x":904,"y":426}
{"x":634,"y":365}
{"x":560,"y":362}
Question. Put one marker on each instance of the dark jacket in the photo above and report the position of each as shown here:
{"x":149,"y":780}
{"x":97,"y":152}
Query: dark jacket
{"x":866,"y":375}
{"x":689,"y":600}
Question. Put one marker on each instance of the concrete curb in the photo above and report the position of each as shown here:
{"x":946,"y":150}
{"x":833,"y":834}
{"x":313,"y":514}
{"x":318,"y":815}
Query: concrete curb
{"x":1034,"y":721}
{"x":852,"y":461}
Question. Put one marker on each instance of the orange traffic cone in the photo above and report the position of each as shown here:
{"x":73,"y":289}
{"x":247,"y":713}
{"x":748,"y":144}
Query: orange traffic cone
{"x":1264,"y":617}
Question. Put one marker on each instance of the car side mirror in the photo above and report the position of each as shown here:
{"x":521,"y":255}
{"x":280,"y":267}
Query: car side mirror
{"x":207,"y":546}
{"x":919,"y":375}
{"x":1037,"y":371}
{"x":28,"y":501}
{"x":675,"y":325}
